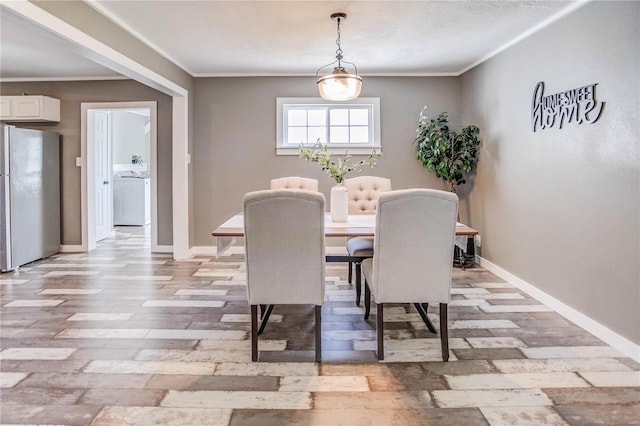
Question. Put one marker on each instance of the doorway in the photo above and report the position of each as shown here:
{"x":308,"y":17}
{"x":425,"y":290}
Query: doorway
{"x":119,"y":149}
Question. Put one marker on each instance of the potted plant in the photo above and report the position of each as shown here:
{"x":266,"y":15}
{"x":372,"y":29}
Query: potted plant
{"x":448,"y":153}
{"x":136,"y":159}
{"x":337,"y":167}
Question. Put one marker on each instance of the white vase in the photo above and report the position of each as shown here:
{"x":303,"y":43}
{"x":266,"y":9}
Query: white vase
{"x":339,"y":203}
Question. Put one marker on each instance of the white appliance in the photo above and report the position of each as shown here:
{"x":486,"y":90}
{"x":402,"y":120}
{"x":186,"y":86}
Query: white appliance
{"x":29,"y":196}
{"x":131,"y":200}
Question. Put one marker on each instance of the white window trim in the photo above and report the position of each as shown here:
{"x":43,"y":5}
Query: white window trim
{"x":354,"y":150}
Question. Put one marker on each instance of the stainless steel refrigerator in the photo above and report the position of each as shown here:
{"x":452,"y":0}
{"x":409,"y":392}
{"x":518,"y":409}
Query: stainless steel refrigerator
{"x":29,"y":196}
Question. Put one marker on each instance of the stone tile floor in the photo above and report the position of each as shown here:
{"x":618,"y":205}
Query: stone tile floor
{"x":122,"y":336}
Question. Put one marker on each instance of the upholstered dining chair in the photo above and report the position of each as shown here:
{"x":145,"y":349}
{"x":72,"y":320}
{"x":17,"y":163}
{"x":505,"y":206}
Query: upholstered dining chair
{"x":363,"y":199}
{"x":285,"y":255}
{"x":413,"y":247}
{"x":295,"y":182}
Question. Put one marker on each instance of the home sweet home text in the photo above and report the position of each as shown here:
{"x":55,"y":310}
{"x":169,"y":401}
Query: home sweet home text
{"x":575,"y":105}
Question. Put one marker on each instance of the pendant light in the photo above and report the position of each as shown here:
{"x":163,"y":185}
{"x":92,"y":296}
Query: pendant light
{"x":339,"y":85}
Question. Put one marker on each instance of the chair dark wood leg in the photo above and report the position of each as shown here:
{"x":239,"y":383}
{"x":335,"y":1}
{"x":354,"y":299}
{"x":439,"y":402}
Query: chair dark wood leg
{"x":367,"y":300}
{"x":318,"y":333}
{"x":358,"y":282}
{"x":254,"y":333}
{"x":265,"y":318}
{"x":380,"y":331}
{"x":350,"y":272}
{"x":263,"y":309}
{"x":444,"y":332}
{"x":423,"y":314}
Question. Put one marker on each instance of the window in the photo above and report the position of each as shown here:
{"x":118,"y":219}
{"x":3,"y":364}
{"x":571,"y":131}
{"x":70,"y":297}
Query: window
{"x":352,"y":126}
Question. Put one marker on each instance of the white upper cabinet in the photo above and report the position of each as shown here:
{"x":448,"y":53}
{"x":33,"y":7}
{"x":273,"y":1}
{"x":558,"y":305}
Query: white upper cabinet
{"x":29,"y":108}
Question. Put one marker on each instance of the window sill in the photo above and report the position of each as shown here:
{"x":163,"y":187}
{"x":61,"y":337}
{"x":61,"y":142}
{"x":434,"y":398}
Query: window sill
{"x":340,"y":151}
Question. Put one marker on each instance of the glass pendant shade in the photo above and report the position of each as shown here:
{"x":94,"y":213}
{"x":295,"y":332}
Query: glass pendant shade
{"x":340,"y":85}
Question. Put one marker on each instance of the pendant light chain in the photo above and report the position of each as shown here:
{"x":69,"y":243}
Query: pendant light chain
{"x":339,"y":50}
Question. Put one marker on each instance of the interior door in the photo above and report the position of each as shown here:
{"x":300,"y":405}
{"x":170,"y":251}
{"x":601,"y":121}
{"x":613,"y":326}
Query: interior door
{"x":103,"y":175}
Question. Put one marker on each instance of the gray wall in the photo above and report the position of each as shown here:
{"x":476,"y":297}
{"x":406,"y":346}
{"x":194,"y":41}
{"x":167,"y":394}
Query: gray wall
{"x":71,"y":94}
{"x":129,"y":137}
{"x":235,"y":138}
{"x":559,"y":208}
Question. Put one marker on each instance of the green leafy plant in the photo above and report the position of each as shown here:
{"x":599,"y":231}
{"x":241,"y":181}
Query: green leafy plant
{"x":447,"y":153}
{"x":339,"y":166}
{"x":136,"y":159}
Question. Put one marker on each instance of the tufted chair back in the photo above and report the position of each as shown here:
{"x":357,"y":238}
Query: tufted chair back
{"x":412,"y":252}
{"x":284,"y":255}
{"x":364,"y":191}
{"x":295,"y":182}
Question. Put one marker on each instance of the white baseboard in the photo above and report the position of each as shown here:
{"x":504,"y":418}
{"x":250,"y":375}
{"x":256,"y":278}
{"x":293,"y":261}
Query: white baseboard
{"x":617,"y":341}
{"x":202,"y":251}
{"x":72,"y":249}
{"x":212,"y":250}
{"x":162,"y":249}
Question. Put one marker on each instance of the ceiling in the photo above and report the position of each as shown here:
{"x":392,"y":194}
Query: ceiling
{"x":219,"y":38}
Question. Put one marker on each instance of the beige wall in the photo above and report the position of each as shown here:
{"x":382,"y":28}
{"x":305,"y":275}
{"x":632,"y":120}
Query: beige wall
{"x":71,"y":94}
{"x":559,"y":208}
{"x":235,"y":138}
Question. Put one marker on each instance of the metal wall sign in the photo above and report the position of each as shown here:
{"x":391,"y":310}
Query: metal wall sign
{"x":575,"y":105}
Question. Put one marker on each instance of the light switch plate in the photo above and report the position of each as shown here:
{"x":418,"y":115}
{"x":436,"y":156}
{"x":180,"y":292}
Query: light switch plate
{"x":78,"y":161}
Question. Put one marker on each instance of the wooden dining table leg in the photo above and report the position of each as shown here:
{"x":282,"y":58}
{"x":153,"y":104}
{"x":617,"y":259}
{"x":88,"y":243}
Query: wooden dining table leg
{"x":422,"y":310}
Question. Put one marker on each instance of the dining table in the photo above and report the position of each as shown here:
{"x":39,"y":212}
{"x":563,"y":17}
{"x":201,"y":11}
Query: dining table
{"x":363,"y":225}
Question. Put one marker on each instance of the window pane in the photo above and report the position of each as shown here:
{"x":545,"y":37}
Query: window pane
{"x":359,"y":117}
{"x":359,"y":134}
{"x":317,"y":117}
{"x":342,"y":126}
{"x":297,"y":117}
{"x":316,"y":133}
{"x":339,"y":134}
{"x":339,"y":117}
{"x":297,"y":135}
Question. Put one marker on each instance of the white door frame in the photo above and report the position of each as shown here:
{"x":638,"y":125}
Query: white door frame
{"x":95,"y":50}
{"x":87,"y":181}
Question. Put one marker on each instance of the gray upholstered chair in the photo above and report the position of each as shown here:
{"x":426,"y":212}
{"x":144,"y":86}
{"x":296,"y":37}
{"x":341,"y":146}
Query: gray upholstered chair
{"x":413,"y":247}
{"x":363,"y":199}
{"x":285,"y":254}
{"x":295,"y":182}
